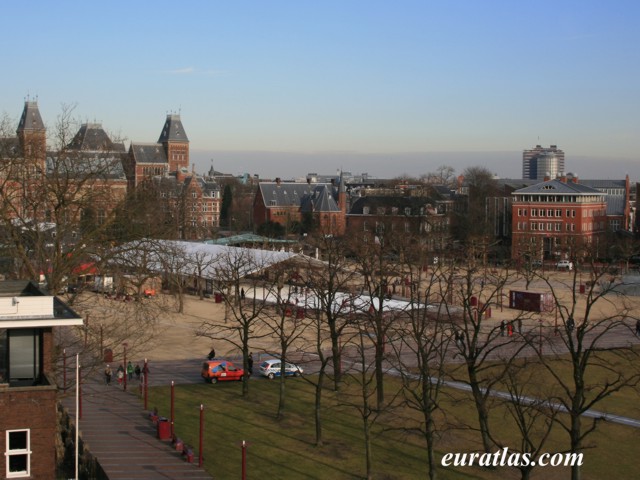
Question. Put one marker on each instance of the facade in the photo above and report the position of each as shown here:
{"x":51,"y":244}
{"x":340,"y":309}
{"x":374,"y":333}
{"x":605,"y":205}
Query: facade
{"x":557,"y":219}
{"x":89,"y":166}
{"x":192,"y":201}
{"x":28,"y":392}
{"x":539,"y":162}
{"x":286,"y":203}
{"x":413,"y":217}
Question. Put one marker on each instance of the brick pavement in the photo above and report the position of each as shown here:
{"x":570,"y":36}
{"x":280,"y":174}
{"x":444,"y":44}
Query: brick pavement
{"x":118,"y":433}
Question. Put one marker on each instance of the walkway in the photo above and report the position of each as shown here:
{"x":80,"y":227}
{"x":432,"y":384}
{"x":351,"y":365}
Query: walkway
{"x":118,"y":433}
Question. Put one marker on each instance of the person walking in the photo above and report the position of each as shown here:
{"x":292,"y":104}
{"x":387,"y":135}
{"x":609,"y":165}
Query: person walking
{"x":137,"y":371}
{"x":107,"y":375}
{"x":503,"y":325}
{"x":250,"y":363}
{"x":120,"y":374}
{"x":212,"y":354}
{"x":129,"y":371}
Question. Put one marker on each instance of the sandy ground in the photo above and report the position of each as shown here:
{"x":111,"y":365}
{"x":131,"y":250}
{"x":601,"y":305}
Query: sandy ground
{"x":176,"y":337}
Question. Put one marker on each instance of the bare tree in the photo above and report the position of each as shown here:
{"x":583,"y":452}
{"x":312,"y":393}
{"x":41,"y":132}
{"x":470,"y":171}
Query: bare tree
{"x":583,"y":345}
{"x":287,"y":323}
{"x":243,"y":276}
{"x":486,"y":353}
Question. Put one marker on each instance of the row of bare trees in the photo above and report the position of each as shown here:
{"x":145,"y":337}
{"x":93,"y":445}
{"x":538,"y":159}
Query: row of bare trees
{"x":544,"y":374}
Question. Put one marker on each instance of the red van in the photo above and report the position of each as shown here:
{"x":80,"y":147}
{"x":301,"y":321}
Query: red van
{"x":214,"y":371}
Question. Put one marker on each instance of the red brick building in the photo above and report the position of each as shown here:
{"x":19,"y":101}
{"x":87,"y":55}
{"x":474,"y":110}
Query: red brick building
{"x":28,"y":392}
{"x":194,"y":200}
{"x":287,"y":202}
{"x":557,"y":219}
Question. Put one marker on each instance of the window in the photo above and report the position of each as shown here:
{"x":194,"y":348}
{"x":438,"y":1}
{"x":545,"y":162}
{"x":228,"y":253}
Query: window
{"x":534,"y":212}
{"x":558,"y":213}
{"x":18,"y":454}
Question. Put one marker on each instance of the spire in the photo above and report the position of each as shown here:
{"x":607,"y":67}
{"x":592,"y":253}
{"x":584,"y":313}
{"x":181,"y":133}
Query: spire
{"x":30,"y":121}
{"x":173,"y":131}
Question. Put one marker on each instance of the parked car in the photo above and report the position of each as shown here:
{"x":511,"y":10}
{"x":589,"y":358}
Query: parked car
{"x":536,"y":263}
{"x":214,"y":371}
{"x":564,"y":265}
{"x":272,"y":368}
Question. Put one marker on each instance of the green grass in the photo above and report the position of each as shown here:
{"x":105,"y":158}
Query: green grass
{"x":285,"y":449}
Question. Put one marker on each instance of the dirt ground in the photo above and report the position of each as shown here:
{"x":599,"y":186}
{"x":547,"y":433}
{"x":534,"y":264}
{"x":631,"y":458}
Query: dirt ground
{"x":177,"y":339}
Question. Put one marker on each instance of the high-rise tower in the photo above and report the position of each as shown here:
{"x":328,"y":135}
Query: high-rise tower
{"x":540,"y":162}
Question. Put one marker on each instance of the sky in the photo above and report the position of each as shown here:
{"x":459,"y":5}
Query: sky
{"x":284,"y":88}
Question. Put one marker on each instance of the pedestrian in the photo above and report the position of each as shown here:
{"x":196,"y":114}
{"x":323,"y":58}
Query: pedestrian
{"x":519,"y":325}
{"x":137,"y":371}
{"x":107,"y":375}
{"x":242,"y":293}
{"x":638,"y":328}
{"x":129,"y":371}
{"x":510,"y":329}
{"x":250,"y":363}
{"x":212,"y":354}
{"x":120,"y":374}
{"x":503,"y":325}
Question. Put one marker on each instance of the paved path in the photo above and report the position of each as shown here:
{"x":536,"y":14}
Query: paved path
{"x":117,"y":431}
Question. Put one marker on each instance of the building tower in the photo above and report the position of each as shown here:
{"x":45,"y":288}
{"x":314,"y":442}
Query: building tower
{"x":176,"y":145}
{"x":32,"y":135}
{"x":540,"y":162}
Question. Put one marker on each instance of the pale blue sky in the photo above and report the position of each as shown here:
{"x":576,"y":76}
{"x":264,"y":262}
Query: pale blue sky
{"x":377,"y":86}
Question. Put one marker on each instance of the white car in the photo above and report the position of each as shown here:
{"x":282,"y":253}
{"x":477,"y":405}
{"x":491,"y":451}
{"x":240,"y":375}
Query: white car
{"x":272,"y":368}
{"x":564,"y":265}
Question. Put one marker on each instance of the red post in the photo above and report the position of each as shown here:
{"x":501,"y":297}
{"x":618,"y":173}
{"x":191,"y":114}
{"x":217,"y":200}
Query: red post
{"x":172,"y":406}
{"x":79,"y":393}
{"x":201,"y":435}
{"x":125,"y":366}
{"x":244,"y":460}
{"x":146,"y":382}
{"x":64,"y":369}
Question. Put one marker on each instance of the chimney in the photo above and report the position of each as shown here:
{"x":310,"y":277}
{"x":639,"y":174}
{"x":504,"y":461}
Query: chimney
{"x":547,"y":176}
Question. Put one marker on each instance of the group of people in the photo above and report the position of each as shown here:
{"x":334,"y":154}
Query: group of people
{"x":129,"y":371}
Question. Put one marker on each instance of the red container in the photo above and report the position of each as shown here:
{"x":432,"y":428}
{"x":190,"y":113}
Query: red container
{"x":531,"y":301}
{"x":164,"y":429}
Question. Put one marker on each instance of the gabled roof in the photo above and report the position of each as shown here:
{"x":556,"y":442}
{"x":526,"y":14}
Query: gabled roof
{"x":148,"y":153}
{"x":173,"y":131}
{"x":92,"y":137}
{"x":30,"y":119}
{"x":555,"y":187}
{"x":316,"y":197}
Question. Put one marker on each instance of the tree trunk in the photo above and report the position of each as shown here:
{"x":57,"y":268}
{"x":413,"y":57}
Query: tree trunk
{"x":317,"y":409}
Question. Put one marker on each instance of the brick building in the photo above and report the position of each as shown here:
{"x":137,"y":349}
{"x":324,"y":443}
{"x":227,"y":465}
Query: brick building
{"x":324,"y":205}
{"x":28,"y":392}
{"x":192,"y":200}
{"x":557,"y":219}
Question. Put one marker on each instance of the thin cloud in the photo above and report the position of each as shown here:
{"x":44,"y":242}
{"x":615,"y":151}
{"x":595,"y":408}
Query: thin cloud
{"x":182,"y":71}
{"x":195,"y":71}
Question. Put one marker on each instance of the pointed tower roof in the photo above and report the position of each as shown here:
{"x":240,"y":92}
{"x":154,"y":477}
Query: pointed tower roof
{"x":31,"y":119}
{"x":173,"y":131}
{"x":92,"y":137}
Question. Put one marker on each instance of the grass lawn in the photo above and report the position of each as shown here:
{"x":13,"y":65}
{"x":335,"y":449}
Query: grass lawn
{"x":285,"y":449}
